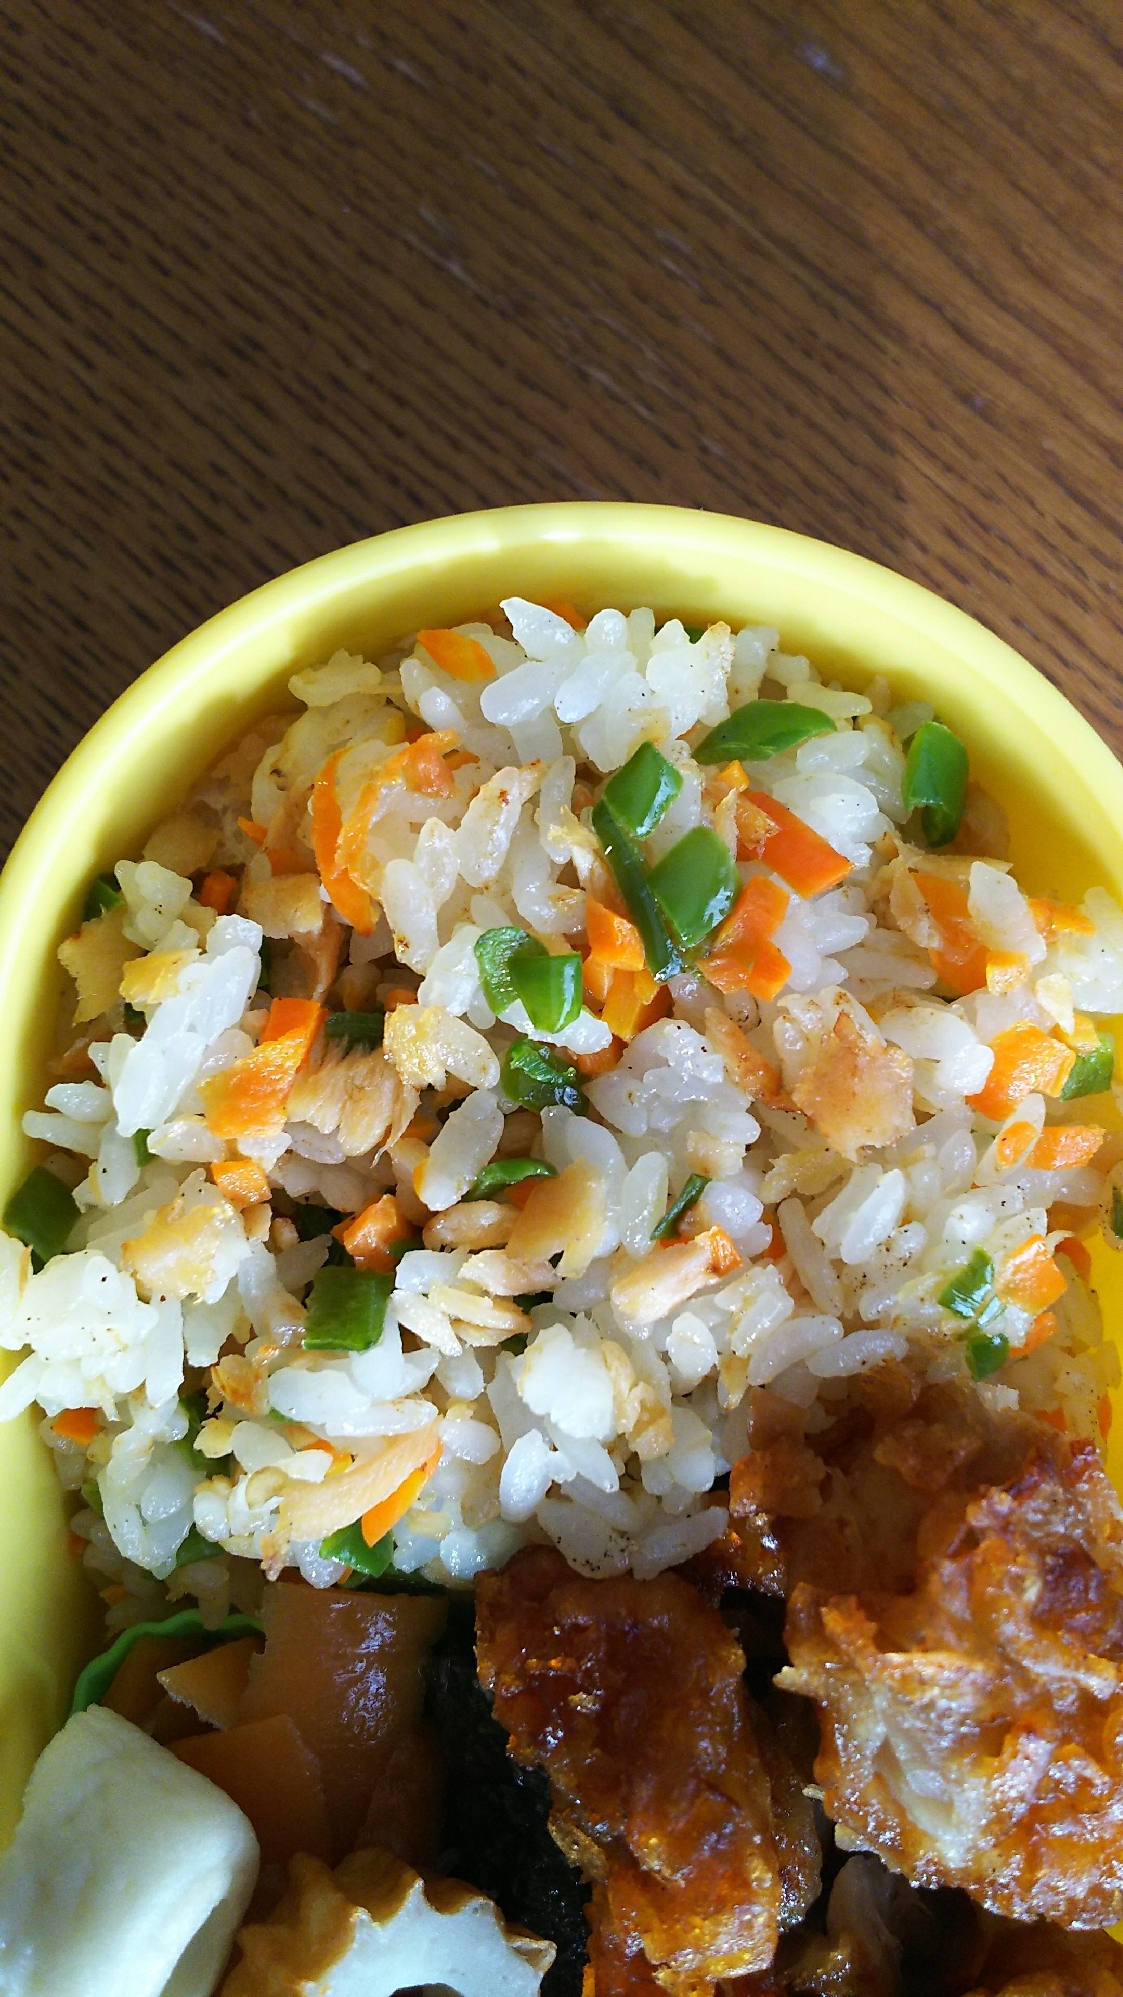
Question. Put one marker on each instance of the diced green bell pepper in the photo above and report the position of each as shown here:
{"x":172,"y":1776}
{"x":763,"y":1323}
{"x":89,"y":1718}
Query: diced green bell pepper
{"x":641,"y":791}
{"x":986,"y":1352}
{"x":663,"y":960}
{"x":549,"y":987}
{"x":969,"y":1288}
{"x":537,"y":1078}
{"x":494,"y":951}
{"x":356,"y":1029}
{"x":761,"y":729}
{"x":350,"y":1547}
{"x":346,"y":1309}
{"x":195,"y":1547}
{"x":696,"y":885}
{"x":1092,"y":1072}
{"x":504,"y":1172}
{"x":41,"y":1213}
{"x":104,"y":894}
{"x":667,"y":1228}
{"x":935,"y":782}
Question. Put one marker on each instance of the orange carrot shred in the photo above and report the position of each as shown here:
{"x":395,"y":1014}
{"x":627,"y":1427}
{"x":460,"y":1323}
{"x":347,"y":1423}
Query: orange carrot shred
{"x":561,"y":607}
{"x":382,"y":1518}
{"x":1026,"y":1062}
{"x":634,"y":1002}
{"x":1030,"y":1278}
{"x":369,"y":1236}
{"x":1075,"y":1252}
{"x":1059,"y":918}
{"x":960,"y":958}
{"x":801,"y":858}
{"x":601,"y":1062}
{"x":1065,"y":1145}
{"x":1104,"y":1413}
{"x":257,"y":833}
{"x":597,"y":976}
{"x":217,"y":891}
{"x":251,"y":1095}
{"x":1013,"y":1143}
{"x":464,"y":658}
{"x":1042,"y":1328}
{"x":613,"y":940}
{"x":350,"y":899}
{"x":1055,"y":1418}
{"x":78,"y":1425}
{"x":241,"y":1181}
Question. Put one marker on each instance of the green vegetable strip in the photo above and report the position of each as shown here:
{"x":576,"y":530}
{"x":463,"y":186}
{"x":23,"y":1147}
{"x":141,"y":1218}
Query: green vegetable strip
{"x":695,"y":631}
{"x":642,"y":790}
{"x":667,"y":1228}
{"x":986,"y":1352}
{"x":969,"y":1288}
{"x":936,"y":781}
{"x":346,"y":1310}
{"x":494,"y":951}
{"x":504,"y":1172}
{"x":356,"y":1029}
{"x":1117,"y":1213}
{"x":350,"y":1547}
{"x":550,"y":989}
{"x":104,"y":894}
{"x":663,"y":960}
{"x":696,"y":885}
{"x":140,"y":1146}
{"x":1092,"y":1072}
{"x":312,"y":1221}
{"x":41,"y":1212}
{"x":761,"y":729}
{"x":195,"y":1547}
{"x":537,"y":1078}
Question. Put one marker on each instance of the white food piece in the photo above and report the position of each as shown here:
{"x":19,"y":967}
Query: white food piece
{"x":128,"y":1873}
{"x":385,"y":1929}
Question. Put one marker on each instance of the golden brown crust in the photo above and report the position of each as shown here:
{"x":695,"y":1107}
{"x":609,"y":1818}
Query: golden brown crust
{"x":630,"y":1694}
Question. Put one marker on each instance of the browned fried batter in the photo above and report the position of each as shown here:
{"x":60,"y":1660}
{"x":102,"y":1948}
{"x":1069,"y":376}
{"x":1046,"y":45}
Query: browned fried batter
{"x":956,"y":1612}
{"x":629,"y":1693}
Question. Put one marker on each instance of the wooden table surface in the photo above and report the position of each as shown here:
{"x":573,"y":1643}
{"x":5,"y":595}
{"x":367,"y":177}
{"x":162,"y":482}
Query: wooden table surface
{"x":282,"y":273}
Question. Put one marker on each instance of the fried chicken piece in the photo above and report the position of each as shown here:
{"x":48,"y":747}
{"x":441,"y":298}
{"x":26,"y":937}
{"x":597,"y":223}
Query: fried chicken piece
{"x":963,"y":1641}
{"x":629,"y":1694}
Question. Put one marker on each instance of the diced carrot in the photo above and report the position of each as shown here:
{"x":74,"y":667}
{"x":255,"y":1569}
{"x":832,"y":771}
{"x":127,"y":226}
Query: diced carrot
{"x":1104,"y":1415}
{"x":1026,"y":1062}
{"x":764,"y":975}
{"x":960,"y":958}
{"x":251,"y":1095}
{"x":396,"y":995}
{"x":1042,"y":1329}
{"x":754,"y":826}
{"x":214,"y":1682}
{"x":1059,"y":918}
{"x":113,"y":1594}
{"x":382,"y":1518}
{"x":599,"y":1063}
{"x":422,"y":763}
{"x":777,"y":1247}
{"x":1030,"y":1278}
{"x":724,"y":1256}
{"x":1013,"y":1143}
{"x":519,"y":1194}
{"x":78,"y":1425}
{"x":258,"y":833}
{"x":634,"y":1002}
{"x":370,"y":1235}
{"x":1055,"y":1418}
{"x":613,"y":940}
{"x":596,"y":977}
{"x":414,"y":730}
{"x":454,"y":653}
{"x":755,"y":917}
{"x":217,"y":891}
{"x":1064,"y":1145}
{"x":800,"y":857}
{"x":76,"y":1545}
{"x":241,"y":1181}
{"x":350,"y":899}
{"x":1075,"y":1252}
{"x":458,"y":759}
{"x":1005,"y":969}
{"x":269,"y":1770}
{"x":561,"y":607}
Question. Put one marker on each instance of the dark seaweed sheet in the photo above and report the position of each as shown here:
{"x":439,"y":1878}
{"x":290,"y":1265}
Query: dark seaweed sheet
{"x":494,"y":1831}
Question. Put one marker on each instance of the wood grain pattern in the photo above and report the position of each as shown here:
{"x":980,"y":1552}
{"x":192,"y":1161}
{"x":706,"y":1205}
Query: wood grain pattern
{"x":281,"y":273}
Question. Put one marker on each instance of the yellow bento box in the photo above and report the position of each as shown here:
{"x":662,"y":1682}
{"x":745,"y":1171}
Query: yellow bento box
{"x":1062,"y":789}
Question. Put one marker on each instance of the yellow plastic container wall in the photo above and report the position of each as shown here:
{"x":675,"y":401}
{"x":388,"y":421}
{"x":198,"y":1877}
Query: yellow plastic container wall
{"x":1061,"y":786}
